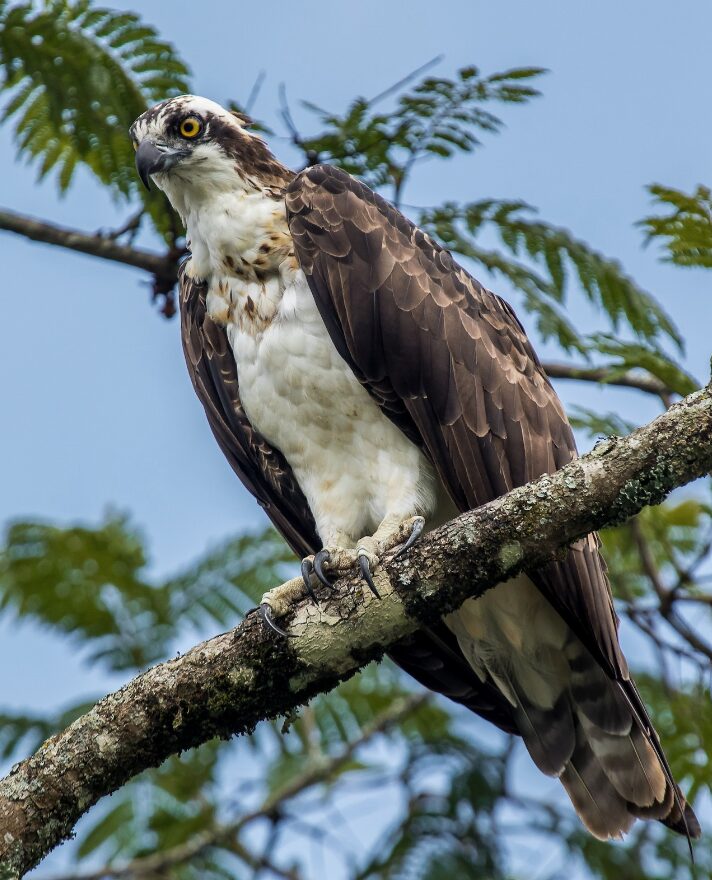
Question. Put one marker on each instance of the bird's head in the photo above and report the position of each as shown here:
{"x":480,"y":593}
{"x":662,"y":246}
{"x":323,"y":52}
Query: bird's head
{"x":192,"y":147}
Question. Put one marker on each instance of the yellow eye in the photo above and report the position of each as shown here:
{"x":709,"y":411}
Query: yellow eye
{"x":190,"y":127}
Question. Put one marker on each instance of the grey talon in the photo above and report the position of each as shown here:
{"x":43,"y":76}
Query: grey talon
{"x":307,"y":569}
{"x":321,"y":557}
{"x":417,"y":531}
{"x":266,"y":615}
{"x":365,"y":570}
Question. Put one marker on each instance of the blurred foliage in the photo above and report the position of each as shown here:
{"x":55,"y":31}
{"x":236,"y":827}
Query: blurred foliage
{"x":686,"y":230}
{"x":446,"y":788}
{"x":597,"y":424}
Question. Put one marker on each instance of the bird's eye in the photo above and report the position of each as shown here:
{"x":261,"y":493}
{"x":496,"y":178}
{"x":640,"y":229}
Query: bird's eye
{"x":190,"y":127}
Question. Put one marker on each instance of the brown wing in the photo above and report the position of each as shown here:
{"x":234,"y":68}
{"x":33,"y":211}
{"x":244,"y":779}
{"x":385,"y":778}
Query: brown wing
{"x":431,"y":657}
{"x":262,"y":469}
{"x":449,"y":363}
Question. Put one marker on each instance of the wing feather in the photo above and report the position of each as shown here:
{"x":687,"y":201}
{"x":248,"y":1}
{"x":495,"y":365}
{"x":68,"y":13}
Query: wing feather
{"x":450,"y":364}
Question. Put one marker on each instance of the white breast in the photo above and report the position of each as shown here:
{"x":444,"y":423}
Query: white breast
{"x":352,"y":463}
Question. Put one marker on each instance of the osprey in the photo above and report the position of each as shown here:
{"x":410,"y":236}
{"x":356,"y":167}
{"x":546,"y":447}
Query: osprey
{"x":361,"y":385}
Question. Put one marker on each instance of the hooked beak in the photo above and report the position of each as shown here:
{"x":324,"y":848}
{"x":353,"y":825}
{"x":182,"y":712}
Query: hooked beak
{"x":154,"y":159}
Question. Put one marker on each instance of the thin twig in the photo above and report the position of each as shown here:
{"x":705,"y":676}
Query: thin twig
{"x":638,"y":379}
{"x":409,"y":77}
{"x":666,"y":598}
{"x":255,"y":91}
{"x":132,"y":226}
{"x":311,"y":156}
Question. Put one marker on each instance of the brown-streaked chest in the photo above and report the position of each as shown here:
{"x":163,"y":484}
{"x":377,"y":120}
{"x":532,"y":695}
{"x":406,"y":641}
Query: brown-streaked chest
{"x":243,"y":249}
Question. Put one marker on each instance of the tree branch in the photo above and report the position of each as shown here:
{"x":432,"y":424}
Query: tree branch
{"x":164,"y":267}
{"x":639,"y":379}
{"x":228,"y":684}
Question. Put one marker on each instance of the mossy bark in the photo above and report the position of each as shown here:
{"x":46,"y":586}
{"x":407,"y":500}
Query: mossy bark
{"x":226,"y":685}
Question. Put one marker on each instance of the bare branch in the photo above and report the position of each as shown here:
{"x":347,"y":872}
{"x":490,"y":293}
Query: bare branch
{"x":639,"y":379}
{"x":311,"y":157}
{"x":228,"y":684}
{"x":255,"y":91}
{"x":164,"y":267}
{"x":404,"y":81}
{"x":666,"y":597}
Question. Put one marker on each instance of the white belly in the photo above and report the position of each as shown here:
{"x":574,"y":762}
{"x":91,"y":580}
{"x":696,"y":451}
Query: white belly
{"x":352,"y":463}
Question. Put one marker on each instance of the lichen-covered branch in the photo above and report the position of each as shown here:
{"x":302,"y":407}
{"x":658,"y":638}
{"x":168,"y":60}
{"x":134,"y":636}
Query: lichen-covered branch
{"x":228,"y":684}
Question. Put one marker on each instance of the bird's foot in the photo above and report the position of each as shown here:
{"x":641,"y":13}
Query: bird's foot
{"x":331,"y":563}
{"x":277,"y":602}
{"x":339,"y":561}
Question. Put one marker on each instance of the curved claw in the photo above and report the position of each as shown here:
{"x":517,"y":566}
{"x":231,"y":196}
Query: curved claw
{"x":365,"y":569}
{"x":307,"y":568}
{"x":418,"y":527}
{"x":321,"y":557}
{"x":266,"y":615}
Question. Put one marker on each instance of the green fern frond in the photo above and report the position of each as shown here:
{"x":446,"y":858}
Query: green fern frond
{"x":76,"y":77}
{"x":686,"y":230}
{"x":632,"y":356}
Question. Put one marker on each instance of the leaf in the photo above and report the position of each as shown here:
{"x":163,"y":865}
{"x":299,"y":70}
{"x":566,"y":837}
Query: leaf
{"x":685,"y":232}
{"x":634,"y":356}
{"x":105,"y":830}
{"x":90,"y":583}
{"x":76,"y":77}
{"x":675,"y":533}
{"x":230,"y":579}
{"x":87,"y":583}
{"x":159,"y":809}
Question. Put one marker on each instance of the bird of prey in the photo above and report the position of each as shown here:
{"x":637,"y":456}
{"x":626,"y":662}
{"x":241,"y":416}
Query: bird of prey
{"x":363,"y":385}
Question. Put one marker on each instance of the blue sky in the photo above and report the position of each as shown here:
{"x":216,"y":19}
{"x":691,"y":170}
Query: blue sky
{"x":97,"y":408}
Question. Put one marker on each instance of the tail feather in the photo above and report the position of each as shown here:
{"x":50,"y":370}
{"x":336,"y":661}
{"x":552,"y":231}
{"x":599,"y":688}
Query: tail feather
{"x":548,"y":733}
{"x":629,"y":762}
{"x":577,"y":723}
{"x":682,"y":818}
{"x":599,"y":806}
{"x":604,"y":706}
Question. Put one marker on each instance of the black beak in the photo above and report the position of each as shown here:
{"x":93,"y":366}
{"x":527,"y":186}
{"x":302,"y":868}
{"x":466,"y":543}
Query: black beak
{"x":153,"y":159}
